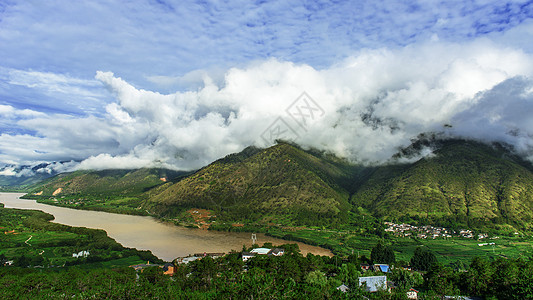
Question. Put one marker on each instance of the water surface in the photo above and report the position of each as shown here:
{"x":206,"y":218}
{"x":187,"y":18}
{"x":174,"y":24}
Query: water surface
{"x":166,"y":241}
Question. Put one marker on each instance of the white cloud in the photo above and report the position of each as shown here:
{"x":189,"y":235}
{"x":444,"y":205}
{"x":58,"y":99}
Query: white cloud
{"x":146,"y":39}
{"x":8,"y":171}
{"x":374,"y":101}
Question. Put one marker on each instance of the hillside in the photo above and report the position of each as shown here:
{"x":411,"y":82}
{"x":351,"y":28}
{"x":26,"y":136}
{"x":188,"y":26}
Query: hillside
{"x":281,"y":184}
{"x":464,"y":183}
{"x":117,"y":191}
{"x":104,"y":183}
{"x":20,"y":178}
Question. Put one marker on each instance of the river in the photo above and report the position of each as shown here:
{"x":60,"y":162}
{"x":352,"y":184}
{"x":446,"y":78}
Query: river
{"x":166,"y":241}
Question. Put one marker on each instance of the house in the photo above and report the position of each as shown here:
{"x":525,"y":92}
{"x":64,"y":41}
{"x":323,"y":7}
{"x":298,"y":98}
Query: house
{"x":247,"y":255}
{"x":374,"y":283}
{"x":210,"y":254}
{"x":412,"y":294}
{"x":81,"y":254}
{"x":142,"y":266}
{"x":381,"y":267}
{"x":365,"y":267}
{"x":261,"y":251}
{"x":343,"y":288}
{"x":186,"y":260}
{"x":169,"y":269}
{"x":277,"y":252}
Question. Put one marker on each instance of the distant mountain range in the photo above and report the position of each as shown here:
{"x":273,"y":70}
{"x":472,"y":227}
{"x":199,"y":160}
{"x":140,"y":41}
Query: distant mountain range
{"x":462,"y":183}
{"x":20,"y":177}
{"x":105,"y":183}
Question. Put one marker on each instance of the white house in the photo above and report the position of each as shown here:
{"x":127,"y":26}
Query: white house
{"x":247,"y":255}
{"x":343,"y":288}
{"x":374,"y":283}
{"x":412,"y":294}
{"x":81,"y":254}
{"x":261,"y":251}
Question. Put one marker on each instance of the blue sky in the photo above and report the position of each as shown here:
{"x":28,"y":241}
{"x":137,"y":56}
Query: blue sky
{"x":206,"y":56}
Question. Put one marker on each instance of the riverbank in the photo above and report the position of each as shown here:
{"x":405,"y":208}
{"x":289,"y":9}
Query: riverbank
{"x":165,"y":240}
{"x":358,"y":236}
{"x":30,"y":239}
{"x":192,"y":218}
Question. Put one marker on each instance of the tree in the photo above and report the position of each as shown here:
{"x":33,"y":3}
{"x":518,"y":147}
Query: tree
{"x":442,"y":280}
{"x":382,"y":254}
{"x":316,"y":278}
{"x":423,"y":259}
{"x":480,"y":275}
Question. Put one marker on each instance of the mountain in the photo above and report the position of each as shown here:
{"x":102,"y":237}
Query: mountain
{"x":282,"y":184}
{"x":105,"y":183}
{"x":460,"y":184}
{"x":463,"y":182}
{"x":21,"y":177}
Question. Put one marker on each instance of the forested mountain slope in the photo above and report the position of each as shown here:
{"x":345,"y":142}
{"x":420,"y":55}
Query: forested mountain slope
{"x":282,"y":182}
{"x":463,"y":181}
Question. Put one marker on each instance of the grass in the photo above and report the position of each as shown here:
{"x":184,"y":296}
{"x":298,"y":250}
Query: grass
{"x":456,"y":249}
{"x":117,"y":204}
{"x":29,"y":239}
{"x":115,"y":263}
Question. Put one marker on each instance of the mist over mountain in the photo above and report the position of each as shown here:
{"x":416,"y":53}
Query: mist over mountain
{"x":354,"y":86}
{"x":436,"y":180}
{"x":363,"y":108}
{"x":26,"y":175}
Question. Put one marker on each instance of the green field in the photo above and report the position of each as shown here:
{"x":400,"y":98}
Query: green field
{"x":451,"y":250}
{"x":28,"y":238}
{"x":112,"y":204}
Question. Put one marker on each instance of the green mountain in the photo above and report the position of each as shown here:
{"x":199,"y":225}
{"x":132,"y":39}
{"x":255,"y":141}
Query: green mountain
{"x":119,"y":191}
{"x":20,"y":178}
{"x":20,"y":183}
{"x":465,"y":183}
{"x":462,"y":184}
{"x":104,"y":183}
{"x":281,"y":184}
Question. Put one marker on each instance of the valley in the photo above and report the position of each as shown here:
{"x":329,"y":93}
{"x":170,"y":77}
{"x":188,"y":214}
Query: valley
{"x":466,"y":202}
{"x":314,"y":197}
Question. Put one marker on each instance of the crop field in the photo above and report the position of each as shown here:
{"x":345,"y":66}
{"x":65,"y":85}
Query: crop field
{"x":456,"y":249}
{"x":27,"y":238}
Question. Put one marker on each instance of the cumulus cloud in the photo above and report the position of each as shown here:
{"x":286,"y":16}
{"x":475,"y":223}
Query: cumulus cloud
{"x":363,"y":107}
{"x":38,"y":168}
{"x":373,"y":103}
{"x":501,"y":114}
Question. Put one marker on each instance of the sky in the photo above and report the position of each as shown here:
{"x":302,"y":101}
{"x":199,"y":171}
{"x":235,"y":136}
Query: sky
{"x":179,"y":84}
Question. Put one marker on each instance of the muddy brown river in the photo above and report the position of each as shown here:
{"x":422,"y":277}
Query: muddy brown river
{"x":166,"y":241}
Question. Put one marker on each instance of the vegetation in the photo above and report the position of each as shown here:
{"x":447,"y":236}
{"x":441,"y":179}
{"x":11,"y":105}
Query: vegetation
{"x":464,"y":184}
{"x":300,"y":195}
{"x":118,"y":191}
{"x":291,"y":276}
{"x":282,"y":184}
{"x":382,"y":254}
{"x":28,"y":238}
{"x":423,"y":259}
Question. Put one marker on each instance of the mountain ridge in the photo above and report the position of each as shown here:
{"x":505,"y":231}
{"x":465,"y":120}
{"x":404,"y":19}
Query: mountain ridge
{"x":461,"y":183}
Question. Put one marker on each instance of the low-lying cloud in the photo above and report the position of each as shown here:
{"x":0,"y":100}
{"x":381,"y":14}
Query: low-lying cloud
{"x":371,"y":104}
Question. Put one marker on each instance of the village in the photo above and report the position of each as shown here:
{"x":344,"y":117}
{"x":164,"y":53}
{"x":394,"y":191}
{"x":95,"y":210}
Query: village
{"x":375,"y":282}
{"x":428,"y":231}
